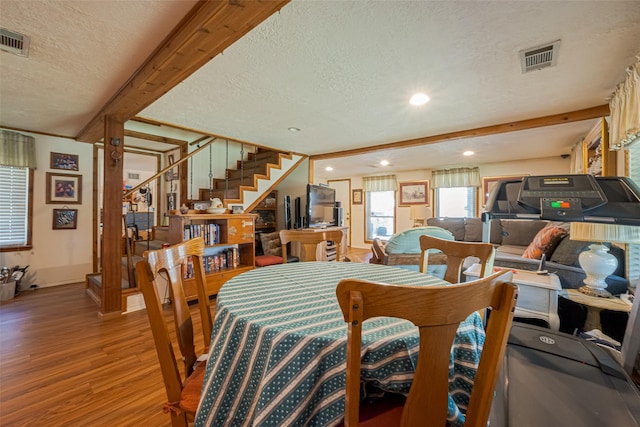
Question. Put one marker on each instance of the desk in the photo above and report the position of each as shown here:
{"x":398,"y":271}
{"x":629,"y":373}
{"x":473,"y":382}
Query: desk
{"x":323,"y":251}
{"x":537,"y":294}
{"x":278,"y":348}
{"x":594,"y":306}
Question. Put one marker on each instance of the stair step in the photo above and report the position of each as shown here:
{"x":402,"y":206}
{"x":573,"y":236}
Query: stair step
{"x":249,"y":169}
{"x":232,"y":193}
{"x":221,"y":184}
{"x":96,"y":280}
{"x":264,"y":155}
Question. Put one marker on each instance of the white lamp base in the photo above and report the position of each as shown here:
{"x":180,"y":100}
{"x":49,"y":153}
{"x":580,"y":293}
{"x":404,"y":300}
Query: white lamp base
{"x":597,"y":263}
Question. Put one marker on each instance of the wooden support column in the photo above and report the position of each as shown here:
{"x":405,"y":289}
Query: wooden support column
{"x":112,"y":217}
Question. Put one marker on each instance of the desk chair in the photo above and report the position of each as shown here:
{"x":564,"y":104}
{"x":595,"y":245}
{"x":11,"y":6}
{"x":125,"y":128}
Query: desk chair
{"x":456,"y":253}
{"x":183,"y":393}
{"x":310,"y":240}
{"x":437,"y":312}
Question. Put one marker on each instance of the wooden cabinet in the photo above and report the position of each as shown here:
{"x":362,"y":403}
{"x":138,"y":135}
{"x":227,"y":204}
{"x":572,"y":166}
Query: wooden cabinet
{"x":597,"y":158}
{"x":230,"y":245}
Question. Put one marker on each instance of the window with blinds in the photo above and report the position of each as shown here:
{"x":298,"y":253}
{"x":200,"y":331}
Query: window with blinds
{"x":14,"y":206}
{"x":633,"y":262}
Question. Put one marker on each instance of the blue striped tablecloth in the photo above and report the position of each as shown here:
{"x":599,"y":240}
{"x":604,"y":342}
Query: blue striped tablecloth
{"x":278,"y":349}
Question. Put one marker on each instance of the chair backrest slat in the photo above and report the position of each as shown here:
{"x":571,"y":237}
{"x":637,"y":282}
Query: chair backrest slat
{"x":456,"y":253}
{"x":437,"y":312}
{"x":172,"y":262}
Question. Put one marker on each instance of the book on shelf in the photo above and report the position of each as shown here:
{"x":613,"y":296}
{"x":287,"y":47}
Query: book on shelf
{"x":224,"y":260}
{"x":209,"y":232}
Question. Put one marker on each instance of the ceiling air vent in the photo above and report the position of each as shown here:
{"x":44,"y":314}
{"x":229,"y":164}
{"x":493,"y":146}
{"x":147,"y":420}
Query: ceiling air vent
{"x":539,"y":57}
{"x":14,"y":42}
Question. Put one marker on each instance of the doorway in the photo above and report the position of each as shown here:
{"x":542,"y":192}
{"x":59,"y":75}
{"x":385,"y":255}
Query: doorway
{"x":343,"y":195}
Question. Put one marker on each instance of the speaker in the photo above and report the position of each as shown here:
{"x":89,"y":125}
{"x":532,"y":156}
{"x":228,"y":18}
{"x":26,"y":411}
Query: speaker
{"x":338,"y":216}
{"x":287,"y":212}
{"x":297,"y":223}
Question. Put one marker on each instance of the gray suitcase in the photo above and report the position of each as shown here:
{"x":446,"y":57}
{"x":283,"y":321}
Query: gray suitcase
{"x":553,"y":379}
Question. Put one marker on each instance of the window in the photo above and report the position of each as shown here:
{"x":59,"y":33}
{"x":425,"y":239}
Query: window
{"x":15,"y":208}
{"x":380,"y":210}
{"x":456,"y":202}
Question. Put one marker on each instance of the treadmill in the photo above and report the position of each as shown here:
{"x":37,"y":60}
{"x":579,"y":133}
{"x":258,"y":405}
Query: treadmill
{"x":549,"y":378}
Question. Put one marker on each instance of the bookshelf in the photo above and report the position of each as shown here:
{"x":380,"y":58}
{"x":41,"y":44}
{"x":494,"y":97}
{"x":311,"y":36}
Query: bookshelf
{"x":230,"y":246}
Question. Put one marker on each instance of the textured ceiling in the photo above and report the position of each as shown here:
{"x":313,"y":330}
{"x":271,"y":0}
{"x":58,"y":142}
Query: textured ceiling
{"x":342,"y":71}
{"x":81,"y":53}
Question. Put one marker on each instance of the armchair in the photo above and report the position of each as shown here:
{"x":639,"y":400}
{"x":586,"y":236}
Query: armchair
{"x":403,"y":249}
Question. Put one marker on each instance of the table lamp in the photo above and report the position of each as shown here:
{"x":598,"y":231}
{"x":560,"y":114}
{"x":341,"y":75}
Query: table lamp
{"x":597,"y":262}
{"x":419,"y":215}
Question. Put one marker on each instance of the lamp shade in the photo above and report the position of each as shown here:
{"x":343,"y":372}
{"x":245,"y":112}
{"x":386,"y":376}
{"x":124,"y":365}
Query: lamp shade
{"x":419,"y":215}
{"x":420,"y":212}
{"x":614,"y":233}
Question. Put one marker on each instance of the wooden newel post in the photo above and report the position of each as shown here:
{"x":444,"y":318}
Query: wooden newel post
{"x":112,"y":216}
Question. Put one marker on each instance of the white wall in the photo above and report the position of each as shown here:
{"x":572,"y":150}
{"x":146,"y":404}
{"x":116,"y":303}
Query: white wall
{"x":58,"y":256}
{"x":294,"y":185}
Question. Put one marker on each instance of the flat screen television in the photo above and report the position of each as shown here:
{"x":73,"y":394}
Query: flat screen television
{"x":320,"y":206}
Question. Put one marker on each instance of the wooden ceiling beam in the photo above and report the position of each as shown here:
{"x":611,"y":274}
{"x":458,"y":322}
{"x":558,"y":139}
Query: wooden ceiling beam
{"x":156,"y":138}
{"x":208,"y":29}
{"x":556,"y":119}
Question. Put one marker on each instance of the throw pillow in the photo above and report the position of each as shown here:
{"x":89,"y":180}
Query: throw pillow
{"x":544,"y":242}
{"x":568,"y":251}
{"x":271,"y":243}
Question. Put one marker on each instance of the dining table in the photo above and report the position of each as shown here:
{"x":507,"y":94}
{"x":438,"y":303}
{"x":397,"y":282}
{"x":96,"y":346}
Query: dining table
{"x":278,"y":348}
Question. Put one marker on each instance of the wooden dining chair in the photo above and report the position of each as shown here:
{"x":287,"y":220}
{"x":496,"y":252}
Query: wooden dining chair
{"x":437,"y":312}
{"x":456,"y":253}
{"x":183,"y":393}
{"x":310,"y":239}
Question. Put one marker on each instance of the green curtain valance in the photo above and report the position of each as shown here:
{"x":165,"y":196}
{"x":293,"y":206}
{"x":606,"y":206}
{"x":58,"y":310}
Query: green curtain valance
{"x":456,"y":177}
{"x":17,"y":150}
{"x":380,"y":183}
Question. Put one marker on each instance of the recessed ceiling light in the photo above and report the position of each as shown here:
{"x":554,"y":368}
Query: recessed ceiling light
{"x":468,"y":153}
{"x":419,"y":99}
{"x":384,"y":162}
{"x":292,"y":129}
{"x":328,"y":168}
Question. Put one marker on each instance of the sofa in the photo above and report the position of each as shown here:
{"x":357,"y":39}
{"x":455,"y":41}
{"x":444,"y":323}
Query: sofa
{"x":403,"y":250}
{"x":519,"y":245}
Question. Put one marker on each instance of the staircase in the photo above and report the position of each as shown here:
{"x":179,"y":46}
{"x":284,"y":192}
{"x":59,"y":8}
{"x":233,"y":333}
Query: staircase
{"x":252,"y":179}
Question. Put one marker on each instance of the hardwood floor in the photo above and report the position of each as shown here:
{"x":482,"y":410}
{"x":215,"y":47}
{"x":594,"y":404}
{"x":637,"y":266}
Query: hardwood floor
{"x":60,"y":365}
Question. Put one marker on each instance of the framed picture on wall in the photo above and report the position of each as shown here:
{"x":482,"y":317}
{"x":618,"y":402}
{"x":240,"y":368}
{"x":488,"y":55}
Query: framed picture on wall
{"x":488,"y":182}
{"x":356,"y":197}
{"x":64,"y":188}
{"x":65,"y":219}
{"x":64,"y":161}
{"x":414,"y":193}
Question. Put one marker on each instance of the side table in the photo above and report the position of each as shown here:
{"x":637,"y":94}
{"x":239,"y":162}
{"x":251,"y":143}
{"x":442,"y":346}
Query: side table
{"x":537,"y":294}
{"x":594,"y":306}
